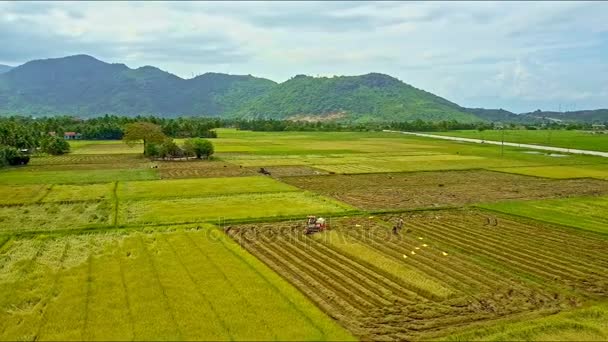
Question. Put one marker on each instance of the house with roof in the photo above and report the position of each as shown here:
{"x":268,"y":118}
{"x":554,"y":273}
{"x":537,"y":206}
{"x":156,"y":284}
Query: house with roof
{"x":71,"y":136}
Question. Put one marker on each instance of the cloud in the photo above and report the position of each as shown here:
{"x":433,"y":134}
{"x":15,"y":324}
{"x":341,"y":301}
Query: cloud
{"x":515,"y":55}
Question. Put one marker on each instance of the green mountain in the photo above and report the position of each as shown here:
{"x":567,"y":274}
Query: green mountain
{"x":371,"y":97}
{"x":589,"y":116}
{"x":4,"y":68}
{"x":84,"y":86}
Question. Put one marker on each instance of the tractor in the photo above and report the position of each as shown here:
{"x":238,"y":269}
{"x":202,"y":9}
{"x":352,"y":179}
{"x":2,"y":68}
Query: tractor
{"x":314,"y":225}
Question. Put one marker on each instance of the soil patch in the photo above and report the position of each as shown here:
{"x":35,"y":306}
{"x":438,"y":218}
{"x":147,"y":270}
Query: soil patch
{"x":442,"y":188}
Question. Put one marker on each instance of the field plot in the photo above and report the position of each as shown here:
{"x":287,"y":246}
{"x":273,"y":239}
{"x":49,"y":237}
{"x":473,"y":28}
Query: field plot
{"x":584,"y":213}
{"x":54,"y":216}
{"x":186,"y":284}
{"x":587,"y":324}
{"x":557,"y":171}
{"x":435,"y":189}
{"x":286,"y":171}
{"x":104,"y":147}
{"x":20,"y":194}
{"x":77,"y":193}
{"x":196,"y":169}
{"x":99,"y":175}
{"x":200,"y":187}
{"x":122,"y":160}
{"x":559,"y":138}
{"x":449,"y":272}
{"x":245,"y":206}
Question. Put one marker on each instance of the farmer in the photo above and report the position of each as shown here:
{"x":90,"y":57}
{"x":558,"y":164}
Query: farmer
{"x":398,"y":226}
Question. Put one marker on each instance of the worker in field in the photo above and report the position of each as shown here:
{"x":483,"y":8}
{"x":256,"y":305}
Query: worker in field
{"x":397,"y":227}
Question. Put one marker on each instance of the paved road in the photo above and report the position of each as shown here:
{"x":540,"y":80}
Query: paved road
{"x":533,"y":147}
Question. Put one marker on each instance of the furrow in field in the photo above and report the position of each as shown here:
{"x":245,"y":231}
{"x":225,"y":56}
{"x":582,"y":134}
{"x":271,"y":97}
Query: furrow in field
{"x":332,"y":300}
{"x":376,"y":281}
{"x":438,"y":269}
{"x":577,"y":246}
{"x":324,"y":265}
{"x":327,"y":277}
{"x":560,"y":260}
{"x":449,"y":273}
{"x":522,"y":257}
{"x":498,"y":253}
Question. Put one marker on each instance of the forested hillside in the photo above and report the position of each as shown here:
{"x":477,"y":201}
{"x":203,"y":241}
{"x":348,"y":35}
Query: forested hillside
{"x":371,"y":97}
{"x":84,"y":86}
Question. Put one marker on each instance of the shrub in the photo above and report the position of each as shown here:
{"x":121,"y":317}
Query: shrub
{"x":12,"y":156}
{"x":199,"y":147}
{"x":54,"y":145}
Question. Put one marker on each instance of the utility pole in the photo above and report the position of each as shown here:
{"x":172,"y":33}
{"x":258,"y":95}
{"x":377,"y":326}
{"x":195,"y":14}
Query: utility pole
{"x":502,"y":144}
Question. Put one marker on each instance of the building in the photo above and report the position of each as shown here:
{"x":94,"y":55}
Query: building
{"x":71,"y":136}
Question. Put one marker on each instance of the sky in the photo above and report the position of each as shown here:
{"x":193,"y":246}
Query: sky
{"x":520,"y":56}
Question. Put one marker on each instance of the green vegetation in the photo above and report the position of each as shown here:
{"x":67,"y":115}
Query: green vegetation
{"x":50,"y":87}
{"x":371,"y":97}
{"x":584,"y":213}
{"x":18,"y":176}
{"x":100,"y":243}
{"x":583,"y":140}
{"x":587,"y":324}
{"x":214,"y":209}
{"x":199,"y":187}
{"x":182,"y":284}
{"x":54,"y":216}
{"x":595,"y":171}
{"x":54,"y":145}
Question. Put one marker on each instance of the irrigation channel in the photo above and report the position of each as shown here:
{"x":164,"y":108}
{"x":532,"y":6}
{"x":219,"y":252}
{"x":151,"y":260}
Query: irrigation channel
{"x":530,"y":146}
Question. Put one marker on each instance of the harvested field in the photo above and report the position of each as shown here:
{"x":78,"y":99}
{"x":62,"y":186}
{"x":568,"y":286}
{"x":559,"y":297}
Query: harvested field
{"x":592,"y":171}
{"x":196,"y":169}
{"x":21,"y":194}
{"x":287,"y":171}
{"x":54,"y":216}
{"x":99,"y":175}
{"x":582,"y":213}
{"x":461,"y":272}
{"x":67,"y":159}
{"x":437,"y":189}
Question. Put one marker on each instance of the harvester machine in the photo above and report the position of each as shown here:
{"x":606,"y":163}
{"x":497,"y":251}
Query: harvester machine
{"x":314,"y":225}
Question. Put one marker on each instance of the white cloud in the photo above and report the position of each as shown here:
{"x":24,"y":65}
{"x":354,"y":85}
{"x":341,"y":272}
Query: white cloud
{"x":515,"y":55}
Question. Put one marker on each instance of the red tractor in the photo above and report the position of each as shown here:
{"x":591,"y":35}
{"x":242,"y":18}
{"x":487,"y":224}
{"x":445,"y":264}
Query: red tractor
{"x":314,"y":225}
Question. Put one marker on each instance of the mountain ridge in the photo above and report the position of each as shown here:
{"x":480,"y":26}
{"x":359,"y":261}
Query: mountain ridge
{"x":82,"y":85}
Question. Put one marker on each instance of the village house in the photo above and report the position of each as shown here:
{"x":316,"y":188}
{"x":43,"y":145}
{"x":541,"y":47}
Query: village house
{"x":71,"y":136}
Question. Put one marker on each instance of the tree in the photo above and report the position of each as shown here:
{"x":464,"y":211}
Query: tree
{"x":152,"y":150}
{"x":199,"y":147}
{"x":144,"y":131}
{"x":169,"y":149}
{"x":54,"y":145}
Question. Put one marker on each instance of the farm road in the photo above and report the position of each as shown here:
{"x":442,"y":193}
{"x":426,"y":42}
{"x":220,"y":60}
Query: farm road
{"x":530,"y":146}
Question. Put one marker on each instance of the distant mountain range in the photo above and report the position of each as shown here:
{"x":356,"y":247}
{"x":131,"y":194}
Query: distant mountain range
{"x":84,"y":86}
{"x":4,"y":68}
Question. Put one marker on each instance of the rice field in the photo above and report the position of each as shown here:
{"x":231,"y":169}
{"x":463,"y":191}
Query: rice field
{"x":104,"y":244}
{"x":559,"y":171}
{"x":450,"y":270}
{"x":200,"y":187}
{"x":234,"y":207}
{"x":583,"y":213}
{"x":182,"y":284}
